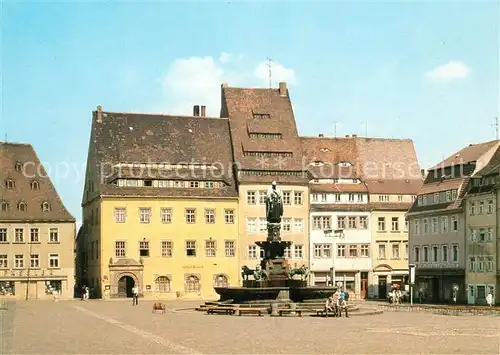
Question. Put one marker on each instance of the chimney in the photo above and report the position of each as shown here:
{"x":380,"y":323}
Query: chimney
{"x":99,"y":113}
{"x":225,"y":85}
{"x":422,"y":171}
{"x":282,"y":88}
{"x":321,"y":135}
{"x":354,"y":135}
{"x":347,"y":136}
{"x":203,"y":111}
{"x":196,"y":110}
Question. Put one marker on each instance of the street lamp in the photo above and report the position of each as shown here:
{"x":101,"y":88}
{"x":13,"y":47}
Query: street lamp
{"x":337,"y":233}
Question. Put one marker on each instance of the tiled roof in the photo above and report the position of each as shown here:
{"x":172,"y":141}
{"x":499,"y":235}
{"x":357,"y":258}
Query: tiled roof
{"x":352,"y":207}
{"x":338,"y":188}
{"x":460,"y":184}
{"x":469,"y":154}
{"x":29,"y":171}
{"x":162,"y":139}
{"x":390,"y":206}
{"x":493,"y":166}
{"x":397,"y":187}
{"x":240,"y":105}
{"x":439,"y":186}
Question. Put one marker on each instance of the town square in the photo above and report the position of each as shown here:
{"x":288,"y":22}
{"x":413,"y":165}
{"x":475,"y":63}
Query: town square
{"x":238,"y":177}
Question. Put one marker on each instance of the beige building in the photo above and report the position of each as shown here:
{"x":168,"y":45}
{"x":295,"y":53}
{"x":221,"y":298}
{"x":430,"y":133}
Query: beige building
{"x":37,"y":233}
{"x":481,"y":220}
{"x":438,"y":225}
{"x":266,"y":148}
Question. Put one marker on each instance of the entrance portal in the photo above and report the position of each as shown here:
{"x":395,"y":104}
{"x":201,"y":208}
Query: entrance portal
{"x":125,"y":285}
{"x":382,"y":287}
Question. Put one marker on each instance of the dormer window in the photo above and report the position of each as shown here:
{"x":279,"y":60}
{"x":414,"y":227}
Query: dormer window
{"x":324,"y":150}
{"x":35,"y":185}
{"x":22,"y":206}
{"x":261,"y":115}
{"x":10,"y":184}
{"x":45,"y":207}
{"x":344,"y":163}
{"x":317,"y":163}
{"x":19,"y":166}
{"x":4,"y":206}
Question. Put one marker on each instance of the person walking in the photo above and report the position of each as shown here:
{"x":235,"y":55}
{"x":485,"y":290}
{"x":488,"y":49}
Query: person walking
{"x":135,"y":296}
{"x":489,"y":299}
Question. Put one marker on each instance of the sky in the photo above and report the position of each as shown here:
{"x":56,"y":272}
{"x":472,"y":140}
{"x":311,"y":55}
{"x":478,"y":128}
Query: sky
{"x":425,"y":71}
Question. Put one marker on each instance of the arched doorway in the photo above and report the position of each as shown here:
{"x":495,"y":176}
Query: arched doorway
{"x":125,"y":285}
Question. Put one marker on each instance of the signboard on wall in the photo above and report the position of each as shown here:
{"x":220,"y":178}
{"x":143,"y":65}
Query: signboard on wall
{"x":412,"y":268}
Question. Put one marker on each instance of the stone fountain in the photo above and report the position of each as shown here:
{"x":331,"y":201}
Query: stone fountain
{"x":274,"y":280}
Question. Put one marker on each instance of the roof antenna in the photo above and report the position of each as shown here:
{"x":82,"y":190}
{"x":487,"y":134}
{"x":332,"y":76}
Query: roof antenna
{"x":335,"y":128}
{"x":5,"y":137}
{"x":496,"y":127}
{"x":269,"y":65}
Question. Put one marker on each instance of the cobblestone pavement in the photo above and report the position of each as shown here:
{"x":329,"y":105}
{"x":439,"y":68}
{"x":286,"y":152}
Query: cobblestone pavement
{"x":116,"y":327}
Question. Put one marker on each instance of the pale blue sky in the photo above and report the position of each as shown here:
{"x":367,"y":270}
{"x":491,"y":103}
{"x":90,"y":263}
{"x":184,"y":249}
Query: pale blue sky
{"x":351,"y":63}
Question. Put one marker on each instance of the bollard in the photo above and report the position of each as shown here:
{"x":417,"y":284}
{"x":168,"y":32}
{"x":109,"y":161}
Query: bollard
{"x":274,"y":310}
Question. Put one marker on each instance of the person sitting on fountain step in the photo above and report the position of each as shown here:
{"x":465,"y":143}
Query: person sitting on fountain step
{"x":341,"y":305}
{"x":329,"y":305}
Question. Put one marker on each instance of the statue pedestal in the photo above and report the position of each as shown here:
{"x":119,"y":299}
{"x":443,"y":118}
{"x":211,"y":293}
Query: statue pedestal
{"x":273,"y":232}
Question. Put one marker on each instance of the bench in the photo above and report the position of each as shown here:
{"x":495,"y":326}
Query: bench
{"x":159,"y":307}
{"x":289,"y":311}
{"x":250,"y":310}
{"x":324,"y":313}
{"x":225,"y":310}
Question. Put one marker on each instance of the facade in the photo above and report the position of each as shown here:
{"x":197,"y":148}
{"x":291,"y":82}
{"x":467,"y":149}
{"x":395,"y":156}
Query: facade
{"x":340,"y":216}
{"x":266,"y":148}
{"x":37,"y":233}
{"x":438,"y":225}
{"x":481,"y":219}
{"x":160,"y":206}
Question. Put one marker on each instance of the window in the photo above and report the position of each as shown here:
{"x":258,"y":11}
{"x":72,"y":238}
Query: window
{"x":229,"y":216}
{"x":10,"y":184}
{"x":341,"y":224}
{"x":145,"y":215}
{"x":360,"y":198}
{"x":18,"y":261}
{"x":480,"y":264}
{"x":472,"y":263}
{"x":19,"y":166}
{"x":489,"y":235}
{"x":287,"y":200}
{"x":4,"y":261}
{"x":395,"y":224}
{"x":426,"y":226}
{"x":288,"y":253}
{"x":53,"y":235}
{"x":351,"y":197}
{"x":381,"y":251}
{"x":19,"y":235}
{"x":190,"y":215}
{"x":381,"y":223}
{"x":251,"y":224}
{"x":315,"y":197}
{"x":341,"y":250}
{"x":435,"y":254}
{"x":192,"y":284}
{"x":221,"y":281}
{"x":252,"y":252}
{"x":317,"y":251}
{"x":434,"y":225}
{"x":144,"y":248}
{"x":209,"y":216}
{"x":299,"y":251}
{"x":351,"y":222}
{"x":166,"y":248}
{"x":444,"y":253}
{"x":490,"y":207}
{"x":166,"y":215}
{"x":322,"y":222}
{"x":454,"y":223}
{"x":322,"y":251}
{"x":4,"y":206}
{"x":472,"y":209}
{"x":353,"y":251}
{"x":324,"y":197}
{"x":406,"y":250}
{"x":395,"y":251}
{"x":444,"y":224}
{"x":298,"y":198}
{"x":481,"y":235}
{"x":436,"y":197}
{"x":481,"y":207}
{"x":22,"y":207}
{"x":262,"y":224}
{"x":3,"y":235}
{"x":194,"y":184}
{"x":45,"y":207}
{"x":416,"y":254}
{"x":230,"y":248}
{"x":365,"y":251}
{"x":190,"y":247}
{"x":363,"y":222}
{"x":426,"y":254}
{"x":162,"y":284}
{"x":251,"y":198}
{"x":54,"y":261}
{"x":287,"y":224}
{"x":34,"y":235}
{"x":120,"y":249}
{"x":337,"y":197}
{"x":490,"y":264}
{"x":448,"y":195}
{"x":210,"y":250}
{"x":298,"y":224}
{"x":120,"y":215}
{"x":35,"y":261}
{"x":416,"y":226}
{"x":454,"y":253}
{"x":419,"y":201}
{"x":209,"y":184}
{"x":453,"y":195}
{"x":262,"y":197}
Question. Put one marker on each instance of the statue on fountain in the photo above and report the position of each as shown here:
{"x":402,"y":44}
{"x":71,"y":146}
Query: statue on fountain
{"x":274,"y":212}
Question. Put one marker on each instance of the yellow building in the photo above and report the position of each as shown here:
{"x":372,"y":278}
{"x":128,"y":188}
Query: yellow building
{"x":267,"y":148}
{"x":160,"y":206}
{"x":37,"y":233}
